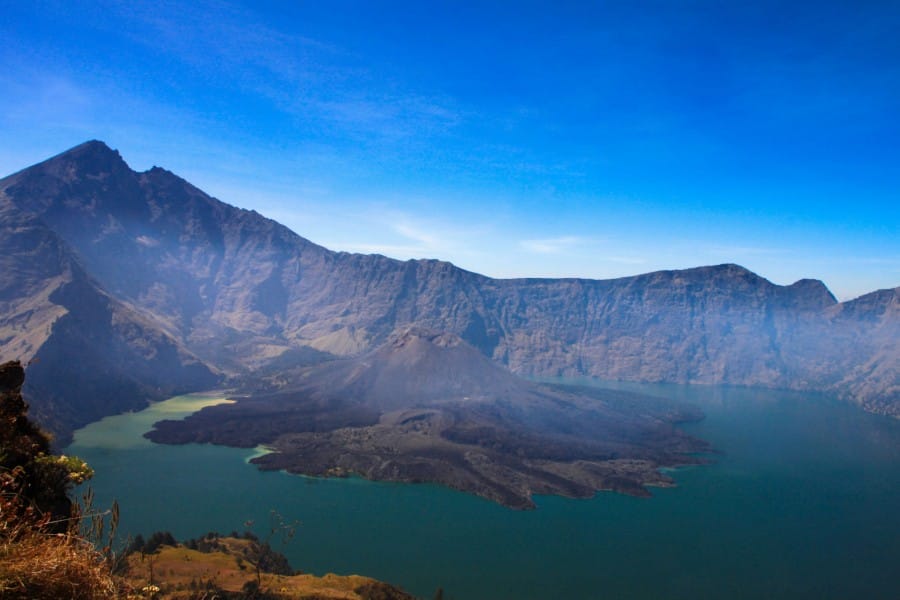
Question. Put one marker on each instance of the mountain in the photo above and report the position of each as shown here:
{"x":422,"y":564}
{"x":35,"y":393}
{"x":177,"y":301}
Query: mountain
{"x":429,"y":407}
{"x":89,"y":354}
{"x":227,"y":291}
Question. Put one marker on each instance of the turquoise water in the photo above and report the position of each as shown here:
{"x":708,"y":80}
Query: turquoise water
{"x":803,"y":501}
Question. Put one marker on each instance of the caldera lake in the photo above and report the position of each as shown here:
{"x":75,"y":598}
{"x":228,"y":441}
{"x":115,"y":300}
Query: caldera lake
{"x":801,"y":500}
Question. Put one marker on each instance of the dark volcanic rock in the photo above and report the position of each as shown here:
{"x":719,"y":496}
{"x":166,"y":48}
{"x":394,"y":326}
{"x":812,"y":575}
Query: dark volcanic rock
{"x":428,"y":407}
{"x":237,"y":291}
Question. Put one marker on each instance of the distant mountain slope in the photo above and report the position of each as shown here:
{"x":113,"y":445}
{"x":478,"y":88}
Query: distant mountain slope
{"x":237,"y":290}
{"x":90,"y":355}
{"x":852,"y":349}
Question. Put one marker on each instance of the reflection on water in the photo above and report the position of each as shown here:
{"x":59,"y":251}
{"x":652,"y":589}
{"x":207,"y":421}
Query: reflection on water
{"x":801,"y":502}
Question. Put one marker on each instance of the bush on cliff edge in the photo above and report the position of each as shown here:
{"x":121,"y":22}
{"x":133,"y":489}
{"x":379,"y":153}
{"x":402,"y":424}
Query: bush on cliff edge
{"x":42,"y":554}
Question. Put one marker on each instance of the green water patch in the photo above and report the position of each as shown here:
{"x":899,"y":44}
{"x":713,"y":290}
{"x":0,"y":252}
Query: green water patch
{"x":123,"y":431}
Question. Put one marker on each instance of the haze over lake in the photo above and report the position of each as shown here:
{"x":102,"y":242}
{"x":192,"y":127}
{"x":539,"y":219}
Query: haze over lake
{"x":800,"y":502}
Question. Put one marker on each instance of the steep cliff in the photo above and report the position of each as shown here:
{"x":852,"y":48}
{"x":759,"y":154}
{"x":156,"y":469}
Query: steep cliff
{"x":88,"y":354}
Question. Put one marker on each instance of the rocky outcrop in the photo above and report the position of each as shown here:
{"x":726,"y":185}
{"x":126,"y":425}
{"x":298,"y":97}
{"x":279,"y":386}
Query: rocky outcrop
{"x":237,"y":291}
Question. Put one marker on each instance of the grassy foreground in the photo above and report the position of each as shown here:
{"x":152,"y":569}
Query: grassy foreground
{"x":52,"y":548}
{"x":180,"y":572}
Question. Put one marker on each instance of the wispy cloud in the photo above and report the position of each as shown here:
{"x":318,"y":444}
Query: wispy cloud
{"x":423,"y":234}
{"x":394,"y":251}
{"x":54,"y":97}
{"x":625,"y":260}
{"x":891,"y":262}
{"x":435,"y":236}
{"x":738,"y":251}
{"x":400,"y":234}
{"x":556,"y":245}
{"x":304,"y":78}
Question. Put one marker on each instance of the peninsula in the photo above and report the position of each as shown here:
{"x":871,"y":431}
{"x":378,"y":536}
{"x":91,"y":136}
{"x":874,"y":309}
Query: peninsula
{"x":428,"y":407}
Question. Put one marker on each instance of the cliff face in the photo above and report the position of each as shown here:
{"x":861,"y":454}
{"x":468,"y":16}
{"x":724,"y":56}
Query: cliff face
{"x":89,"y":354}
{"x":853,"y":349}
{"x":237,"y":290}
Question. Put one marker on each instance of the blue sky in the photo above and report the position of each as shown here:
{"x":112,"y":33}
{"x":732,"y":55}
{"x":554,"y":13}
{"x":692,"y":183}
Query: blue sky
{"x":593,"y":139}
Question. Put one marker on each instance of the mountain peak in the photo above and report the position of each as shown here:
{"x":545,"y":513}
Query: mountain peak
{"x":92,"y":149}
{"x":90,"y":158}
{"x":91,"y":146}
{"x":816,"y":290}
{"x":728,"y":269}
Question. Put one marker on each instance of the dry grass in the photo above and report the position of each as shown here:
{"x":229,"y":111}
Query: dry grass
{"x":35,"y":565}
{"x":174,"y":569}
{"x":40,"y":566}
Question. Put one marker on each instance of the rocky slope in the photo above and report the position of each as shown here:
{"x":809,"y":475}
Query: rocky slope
{"x":89,"y":354}
{"x":237,"y":290}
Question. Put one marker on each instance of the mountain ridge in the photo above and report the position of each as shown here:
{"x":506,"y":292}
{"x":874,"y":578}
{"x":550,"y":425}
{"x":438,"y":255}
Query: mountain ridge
{"x":237,"y":290}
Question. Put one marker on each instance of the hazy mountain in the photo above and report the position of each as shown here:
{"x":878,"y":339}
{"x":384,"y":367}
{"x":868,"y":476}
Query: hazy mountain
{"x":237,"y":290}
{"x":90,"y":354}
